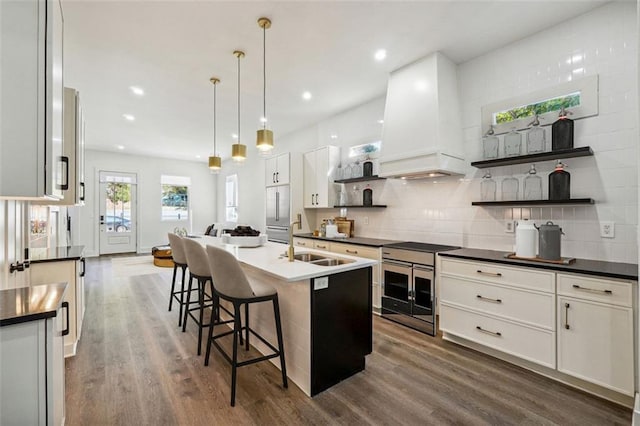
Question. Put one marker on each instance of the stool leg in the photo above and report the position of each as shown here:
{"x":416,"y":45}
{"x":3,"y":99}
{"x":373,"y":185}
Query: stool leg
{"x":184,"y":271}
{"x":234,"y":361}
{"x":186,"y":308}
{"x":246,"y":324}
{"x":201,"y":284}
{"x":173,"y":285}
{"x":283,"y":367}
{"x":216,"y":301}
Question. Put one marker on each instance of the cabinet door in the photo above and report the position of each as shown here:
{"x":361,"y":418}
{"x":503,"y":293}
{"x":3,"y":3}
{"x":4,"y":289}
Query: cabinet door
{"x":309,"y":177}
{"x":282,"y":169}
{"x":595,"y":343}
{"x":270,"y":169}
{"x":322,"y":178}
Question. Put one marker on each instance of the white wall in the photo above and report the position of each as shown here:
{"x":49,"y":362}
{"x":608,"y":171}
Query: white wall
{"x":152,"y":230}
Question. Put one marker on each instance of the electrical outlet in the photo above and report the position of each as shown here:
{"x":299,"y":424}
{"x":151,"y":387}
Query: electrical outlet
{"x":365,"y":220}
{"x":510,"y":226}
{"x":607,"y":229}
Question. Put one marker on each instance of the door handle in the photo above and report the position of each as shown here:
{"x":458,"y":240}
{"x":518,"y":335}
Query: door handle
{"x":65,"y":305}
{"x":81,"y":191}
{"x":84,"y":267}
{"x":64,"y":185}
{"x":101,"y":219}
{"x":493,"y":333}
{"x":273,"y":178}
{"x":495,"y":274}
{"x":277,"y":177}
{"x":487,"y":299}
{"x":312,"y":199}
{"x":566,"y":316}
{"x":595,"y":290}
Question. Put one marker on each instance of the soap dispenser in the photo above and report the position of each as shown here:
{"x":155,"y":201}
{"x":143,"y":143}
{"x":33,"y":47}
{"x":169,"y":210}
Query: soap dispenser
{"x":562,"y":131}
{"x":535,"y":137}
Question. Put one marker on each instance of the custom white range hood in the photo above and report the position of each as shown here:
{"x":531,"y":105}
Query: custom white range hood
{"x":422,"y":135}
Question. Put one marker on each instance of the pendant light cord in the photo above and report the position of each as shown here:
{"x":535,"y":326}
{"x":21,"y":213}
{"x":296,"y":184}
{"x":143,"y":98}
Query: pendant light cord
{"x":238,"y":99}
{"x":264,"y":76}
{"x":214,"y":118}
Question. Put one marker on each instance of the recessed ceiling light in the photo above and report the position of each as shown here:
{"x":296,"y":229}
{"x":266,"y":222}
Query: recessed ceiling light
{"x":334,"y":136}
{"x":128,"y":117}
{"x":380,"y":54}
{"x":306,"y":96}
{"x":120,"y":147}
{"x":137,"y":90}
{"x":234,"y":136}
{"x":421,"y":86}
{"x":197,"y":156}
{"x":380,"y":121}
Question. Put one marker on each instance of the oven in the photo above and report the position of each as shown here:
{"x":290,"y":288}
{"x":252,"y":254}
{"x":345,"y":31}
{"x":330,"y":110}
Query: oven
{"x":408,"y":281}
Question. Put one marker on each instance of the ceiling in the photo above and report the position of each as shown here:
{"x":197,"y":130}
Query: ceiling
{"x":171,"y":49}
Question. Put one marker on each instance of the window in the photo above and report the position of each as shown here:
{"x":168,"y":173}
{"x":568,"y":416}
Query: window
{"x":231,"y":198}
{"x":175,"y":197}
{"x":542,"y":107}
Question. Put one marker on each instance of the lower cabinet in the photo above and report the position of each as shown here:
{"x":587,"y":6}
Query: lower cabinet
{"x":32,"y":370}
{"x":581,"y":326}
{"x":351,"y":250}
{"x":71,"y":272}
{"x":595,"y":339}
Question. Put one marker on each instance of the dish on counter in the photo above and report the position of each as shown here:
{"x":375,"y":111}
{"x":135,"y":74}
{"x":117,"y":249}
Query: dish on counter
{"x":245,"y":241}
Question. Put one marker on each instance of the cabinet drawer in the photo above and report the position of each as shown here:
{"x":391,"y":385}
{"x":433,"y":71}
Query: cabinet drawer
{"x":536,"y":309}
{"x":530,"y":278}
{"x":303,"y":242}
{"x":596,"y":289}
{"x":355,"y":250}
{"x":533,"y":344}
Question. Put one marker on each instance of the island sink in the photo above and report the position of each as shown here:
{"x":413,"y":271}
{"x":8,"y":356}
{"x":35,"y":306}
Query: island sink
{"x":321,"y":260}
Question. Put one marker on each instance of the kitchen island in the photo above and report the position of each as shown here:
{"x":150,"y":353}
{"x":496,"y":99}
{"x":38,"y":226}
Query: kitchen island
{"x":325,"y":310}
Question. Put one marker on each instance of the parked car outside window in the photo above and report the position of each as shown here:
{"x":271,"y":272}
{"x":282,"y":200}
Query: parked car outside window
{"x":117,"y":223}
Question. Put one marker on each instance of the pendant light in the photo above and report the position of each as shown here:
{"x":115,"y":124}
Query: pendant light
{"x":215,"y":162}
{"x":238,"y":150}
{"x":264,"y":140}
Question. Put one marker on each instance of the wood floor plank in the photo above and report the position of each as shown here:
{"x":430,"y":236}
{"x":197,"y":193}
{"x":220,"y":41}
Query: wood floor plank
{"x":134,"y":366}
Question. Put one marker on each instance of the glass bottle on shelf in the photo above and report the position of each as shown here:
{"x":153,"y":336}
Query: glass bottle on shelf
{"x":347,"y":172}
{"x":536,"y":141}
{"x":490,"y":144}
{"x":512,"y":143}
{"x":510,"y":186}
{"x":532,"y":185}
{"x":357,"y":170}
{"x":367,"y":196}
{"x":339,"y":172}
{"x":562,"y":131}
{"x":487,"y":187}
{"x":559,"y":183}
{"x":356,"y":196}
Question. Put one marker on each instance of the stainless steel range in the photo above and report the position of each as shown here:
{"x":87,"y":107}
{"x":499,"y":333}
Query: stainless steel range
{"x":409,"y":288}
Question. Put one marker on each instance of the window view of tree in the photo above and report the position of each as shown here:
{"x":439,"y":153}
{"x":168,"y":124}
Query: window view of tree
{"x":118,"y":202}
{"x":539,"y":108}
{"x":175,"y":202}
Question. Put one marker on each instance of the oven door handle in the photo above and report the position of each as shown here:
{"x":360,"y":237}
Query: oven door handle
{"x":423,"y":268}
{"x":396,"y":262}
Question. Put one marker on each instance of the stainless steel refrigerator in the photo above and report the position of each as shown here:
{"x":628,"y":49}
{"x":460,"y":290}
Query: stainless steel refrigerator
{"x":278,"y":213}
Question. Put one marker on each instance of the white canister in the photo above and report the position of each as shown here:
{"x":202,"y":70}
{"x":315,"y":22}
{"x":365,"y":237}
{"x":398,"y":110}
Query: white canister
{"x":332,"y":230}
{"x":526,"y":236}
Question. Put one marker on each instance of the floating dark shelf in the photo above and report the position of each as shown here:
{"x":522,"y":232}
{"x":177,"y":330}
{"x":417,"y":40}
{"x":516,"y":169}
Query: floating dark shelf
{"x":572,"y":201}
{"x":380,"y":206}
{"x":359,"y":179}
{"x":584,"y":151}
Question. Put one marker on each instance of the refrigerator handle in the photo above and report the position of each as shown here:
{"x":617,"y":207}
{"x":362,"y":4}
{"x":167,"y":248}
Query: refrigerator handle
{"x":277,"y":206}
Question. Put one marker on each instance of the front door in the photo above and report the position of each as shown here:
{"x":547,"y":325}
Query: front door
{"x":117,"y":219}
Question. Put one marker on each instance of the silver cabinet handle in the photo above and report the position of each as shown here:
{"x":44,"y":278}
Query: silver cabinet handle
{"x":352,"y":251}
{"x":487,"y":299}
{"x":495,"y":274}
{"x":595,"y":290}
{"x":566,"y":316}
{"x":493,"y":333}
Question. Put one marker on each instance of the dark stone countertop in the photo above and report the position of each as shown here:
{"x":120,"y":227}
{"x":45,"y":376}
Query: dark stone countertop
{"x":56,"y":254}
{"x":33,"y":303}
{"x":361,"y":241}
{"x":627,"y":271}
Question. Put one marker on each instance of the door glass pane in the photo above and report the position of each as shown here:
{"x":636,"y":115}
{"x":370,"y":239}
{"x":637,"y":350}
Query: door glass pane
{"x":118,"y":207}
{"x":423,"y":293}
{"x":396,"y":285}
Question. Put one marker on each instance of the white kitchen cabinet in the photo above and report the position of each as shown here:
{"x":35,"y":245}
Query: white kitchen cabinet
{"x":71,"y":272}
{"x":319,"y":165}
{"x":32,"y":370}
{"x":505,"y":308}
{"x":32,"y":164}
{"x":277,"y":170}
{"x":595,"y":339}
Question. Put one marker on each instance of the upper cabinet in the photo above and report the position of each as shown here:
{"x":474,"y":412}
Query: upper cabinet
{"x":73,"y":153}
{"x":318,"y":166}
{"x":32,"y":164}
{"x":422,"y":133}
{"x":277,"y":170}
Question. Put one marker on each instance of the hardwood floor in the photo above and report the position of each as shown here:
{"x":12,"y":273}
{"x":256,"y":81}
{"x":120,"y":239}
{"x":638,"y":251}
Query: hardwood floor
{"x":135,"y":367}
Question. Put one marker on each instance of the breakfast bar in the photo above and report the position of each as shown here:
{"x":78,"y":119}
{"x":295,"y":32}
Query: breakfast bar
{"x":326,"y":308}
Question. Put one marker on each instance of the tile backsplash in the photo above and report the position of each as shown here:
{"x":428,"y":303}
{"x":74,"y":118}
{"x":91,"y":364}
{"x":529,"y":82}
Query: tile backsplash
{"x":603,"y":42}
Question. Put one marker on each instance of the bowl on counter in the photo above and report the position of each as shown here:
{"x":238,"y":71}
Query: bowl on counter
{"x":241,"y":241}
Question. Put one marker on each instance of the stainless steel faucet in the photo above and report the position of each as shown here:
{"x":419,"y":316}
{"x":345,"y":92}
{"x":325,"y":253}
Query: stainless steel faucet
{"x":299,"y":223}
